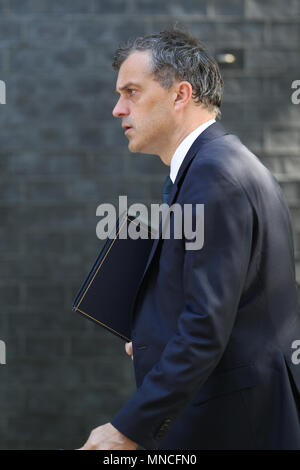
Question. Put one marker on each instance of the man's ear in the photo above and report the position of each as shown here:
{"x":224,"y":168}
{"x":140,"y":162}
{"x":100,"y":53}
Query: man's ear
{"x":183,"y":94}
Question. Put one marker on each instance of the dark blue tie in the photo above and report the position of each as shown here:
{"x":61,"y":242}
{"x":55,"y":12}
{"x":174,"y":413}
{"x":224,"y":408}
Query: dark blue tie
{"x":167,"y":189}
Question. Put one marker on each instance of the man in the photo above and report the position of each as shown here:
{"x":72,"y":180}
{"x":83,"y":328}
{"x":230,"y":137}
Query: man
{"x":213,"y":328}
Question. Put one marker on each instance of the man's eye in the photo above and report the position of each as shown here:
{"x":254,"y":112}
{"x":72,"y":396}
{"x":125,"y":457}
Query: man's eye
{"x":131,"y":91}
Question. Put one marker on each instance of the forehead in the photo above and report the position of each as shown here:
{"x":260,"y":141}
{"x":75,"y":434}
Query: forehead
{"x":136,"y":68}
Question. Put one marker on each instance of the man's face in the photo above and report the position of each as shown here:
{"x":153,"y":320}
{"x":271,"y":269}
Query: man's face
{"x":144,"y":106}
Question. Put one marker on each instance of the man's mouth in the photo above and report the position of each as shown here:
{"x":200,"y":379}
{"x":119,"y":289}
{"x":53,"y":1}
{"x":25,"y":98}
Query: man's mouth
{"x":127,"y":129}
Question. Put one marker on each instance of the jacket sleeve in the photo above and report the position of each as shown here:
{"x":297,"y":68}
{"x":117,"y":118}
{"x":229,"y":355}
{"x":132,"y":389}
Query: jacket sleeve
{"x":213,"y":278}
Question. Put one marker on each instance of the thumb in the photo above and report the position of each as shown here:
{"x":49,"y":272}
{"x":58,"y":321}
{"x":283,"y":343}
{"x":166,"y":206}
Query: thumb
{"x":128,"y":348}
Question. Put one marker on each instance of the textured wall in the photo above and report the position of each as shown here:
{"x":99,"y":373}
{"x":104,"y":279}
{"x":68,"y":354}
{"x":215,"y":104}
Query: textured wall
{"x":62,"y":154}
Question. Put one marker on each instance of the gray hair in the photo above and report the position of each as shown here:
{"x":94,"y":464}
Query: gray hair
{"x":176,"y":55}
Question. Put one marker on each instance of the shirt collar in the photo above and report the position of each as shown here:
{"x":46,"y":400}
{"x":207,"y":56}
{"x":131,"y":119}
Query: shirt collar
{"x":184,"y":147}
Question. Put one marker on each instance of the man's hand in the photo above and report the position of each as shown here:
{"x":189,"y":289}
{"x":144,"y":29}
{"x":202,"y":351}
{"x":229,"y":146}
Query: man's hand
{"x":128,"y":349}
{"x":107,"y":437}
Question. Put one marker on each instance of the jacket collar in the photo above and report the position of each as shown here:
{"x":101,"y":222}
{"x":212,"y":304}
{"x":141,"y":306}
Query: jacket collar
{"x":212,"y":132}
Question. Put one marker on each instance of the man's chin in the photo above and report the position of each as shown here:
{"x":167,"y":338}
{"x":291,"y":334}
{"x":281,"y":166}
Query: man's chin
{"x":136,"y":147}
{"x":133,"y":147}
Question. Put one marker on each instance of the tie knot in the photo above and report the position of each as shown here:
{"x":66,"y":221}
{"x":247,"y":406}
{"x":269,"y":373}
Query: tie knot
{"x":167,"y":189}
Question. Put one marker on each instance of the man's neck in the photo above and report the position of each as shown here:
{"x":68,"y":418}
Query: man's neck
{"x":180,"y":135}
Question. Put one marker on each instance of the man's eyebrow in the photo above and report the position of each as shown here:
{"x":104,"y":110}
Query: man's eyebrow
{"x":127,"y":85}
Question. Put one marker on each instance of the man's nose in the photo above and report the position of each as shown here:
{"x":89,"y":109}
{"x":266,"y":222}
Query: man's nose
{"x":120,"y":109}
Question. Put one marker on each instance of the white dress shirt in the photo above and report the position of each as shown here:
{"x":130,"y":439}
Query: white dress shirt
{"x":184,"y":147}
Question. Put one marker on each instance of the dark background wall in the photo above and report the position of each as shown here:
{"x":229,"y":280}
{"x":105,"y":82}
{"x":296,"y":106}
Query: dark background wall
{"x":62,"y":154}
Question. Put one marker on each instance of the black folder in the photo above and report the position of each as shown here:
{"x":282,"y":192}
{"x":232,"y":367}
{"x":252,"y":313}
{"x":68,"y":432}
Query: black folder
{"x":107,"y":295}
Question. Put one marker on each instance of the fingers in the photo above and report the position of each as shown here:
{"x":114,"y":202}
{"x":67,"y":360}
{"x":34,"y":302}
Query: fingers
{"x":128,"y":349}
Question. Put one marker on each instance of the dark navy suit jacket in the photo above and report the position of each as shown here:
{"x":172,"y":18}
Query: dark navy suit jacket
{"x":213,"y":328}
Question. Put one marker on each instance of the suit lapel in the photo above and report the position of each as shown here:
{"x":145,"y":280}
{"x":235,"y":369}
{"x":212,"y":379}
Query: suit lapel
{"x":213,"y":131}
